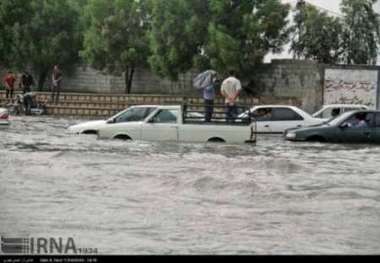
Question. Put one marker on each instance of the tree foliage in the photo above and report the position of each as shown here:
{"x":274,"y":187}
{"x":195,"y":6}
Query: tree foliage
{"x":361,"y":31}
{"x":316,"y":35}
{"x":222,"y":34}
{"x":353,"y":39}
{"x":116,"y":36}
{"x":37,"y":34}
{"x":241,"y":33}
{"x":173,"y":37}
{"x":178,"y":33}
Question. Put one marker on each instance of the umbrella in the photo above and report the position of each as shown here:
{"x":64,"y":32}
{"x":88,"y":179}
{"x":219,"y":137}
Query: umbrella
{"x":204,"y":79}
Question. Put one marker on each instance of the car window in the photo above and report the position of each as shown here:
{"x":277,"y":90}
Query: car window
{"x":361,"y":120}
{"x":370,"y":119}
{"x":134,"y":114}
{"x":326,"y":114}
{"x":352,"y":109}
{"x":262,"y":114}
{"x":166,"y":116}
{"x":378,"y":120}
{"x":284,"y":114}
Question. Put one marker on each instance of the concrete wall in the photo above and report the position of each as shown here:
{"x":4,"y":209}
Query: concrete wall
{"x":281,"y":79}
{"x":87,"y":79}
{"x":291,"y":78}
{"x":352,"y":85}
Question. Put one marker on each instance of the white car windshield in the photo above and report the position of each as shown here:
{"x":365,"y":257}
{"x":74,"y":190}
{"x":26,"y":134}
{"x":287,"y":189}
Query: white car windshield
{"x":133,"y":114}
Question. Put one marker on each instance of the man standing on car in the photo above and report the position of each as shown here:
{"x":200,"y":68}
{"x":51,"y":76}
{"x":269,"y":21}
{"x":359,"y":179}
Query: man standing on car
{"x":56,"y":83}
{"x":231,"y":89}
{"x":9,"y":82}
{"x":209,"y":97}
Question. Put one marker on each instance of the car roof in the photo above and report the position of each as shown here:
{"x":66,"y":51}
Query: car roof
{"x":344,"y":105}
{"x":145,"y":106}
{"x":156,"y":106}
{"x":275,"y":106}
{"x":365,"y":111}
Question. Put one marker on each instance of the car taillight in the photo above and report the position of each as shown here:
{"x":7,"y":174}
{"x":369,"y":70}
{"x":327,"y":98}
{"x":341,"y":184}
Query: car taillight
{"x":4,"y":116}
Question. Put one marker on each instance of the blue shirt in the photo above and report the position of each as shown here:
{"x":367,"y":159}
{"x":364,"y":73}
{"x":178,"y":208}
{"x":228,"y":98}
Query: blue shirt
{"x":209,"y":93}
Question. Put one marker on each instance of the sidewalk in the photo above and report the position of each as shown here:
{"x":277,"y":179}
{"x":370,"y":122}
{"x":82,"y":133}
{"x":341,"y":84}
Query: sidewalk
{"x":85,"y":105}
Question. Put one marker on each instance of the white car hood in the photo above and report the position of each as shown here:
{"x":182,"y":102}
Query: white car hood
{"x":91,"y":125}
{"x":319,"y":120}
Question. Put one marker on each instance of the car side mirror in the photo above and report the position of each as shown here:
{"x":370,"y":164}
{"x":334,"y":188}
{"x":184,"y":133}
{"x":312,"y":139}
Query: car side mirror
{"x":344,"y":125}
{"x":110,"y":121}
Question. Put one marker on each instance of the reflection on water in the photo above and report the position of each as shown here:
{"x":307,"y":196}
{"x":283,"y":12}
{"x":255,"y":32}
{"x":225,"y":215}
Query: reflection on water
{"x":145,"y":198}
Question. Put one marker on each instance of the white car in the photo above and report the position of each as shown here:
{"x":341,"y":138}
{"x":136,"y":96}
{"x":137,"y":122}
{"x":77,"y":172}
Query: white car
{"x":170,"y":123}
{"x":132,"y":114}
{"x":334,"y":110}
{"x":4,"y":117}
{"x":275,"y":119}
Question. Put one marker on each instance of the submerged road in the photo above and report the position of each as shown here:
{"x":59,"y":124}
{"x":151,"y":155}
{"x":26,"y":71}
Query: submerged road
{"x":276,"y":197}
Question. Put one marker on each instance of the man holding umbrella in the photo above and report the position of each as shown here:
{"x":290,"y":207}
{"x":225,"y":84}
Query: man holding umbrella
{"x":206,"y":82}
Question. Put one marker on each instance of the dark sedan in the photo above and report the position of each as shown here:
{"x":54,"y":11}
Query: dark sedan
{"x":351,"y":127}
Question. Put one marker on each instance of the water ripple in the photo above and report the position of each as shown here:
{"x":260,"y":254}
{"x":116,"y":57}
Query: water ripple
{"x":149,"y":198}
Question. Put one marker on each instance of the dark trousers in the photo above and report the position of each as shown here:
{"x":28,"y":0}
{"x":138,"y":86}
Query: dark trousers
{"x":26,"y":89}
{"x":231,"y":113}
{"x":9,"y":93}
{"x":209,"y":110}
{"x":28,"y":104}
{"x":55,"y":93}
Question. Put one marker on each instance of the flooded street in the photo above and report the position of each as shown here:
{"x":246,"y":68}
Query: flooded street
{"x":147,"y":198}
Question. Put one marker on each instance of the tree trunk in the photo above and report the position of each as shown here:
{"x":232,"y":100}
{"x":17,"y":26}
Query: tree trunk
{"x":131,"y":74}
{"x":129,"y":79}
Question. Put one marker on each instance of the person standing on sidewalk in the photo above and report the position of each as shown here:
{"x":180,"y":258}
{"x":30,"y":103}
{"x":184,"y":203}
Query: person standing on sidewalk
{"x":27,"y":82}
{"x":231,"y":88}
{"x":57,"y":77}
{"x":9,"y":82}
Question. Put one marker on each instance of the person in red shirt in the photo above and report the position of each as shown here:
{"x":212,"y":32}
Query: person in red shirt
{"x":9,"y":82}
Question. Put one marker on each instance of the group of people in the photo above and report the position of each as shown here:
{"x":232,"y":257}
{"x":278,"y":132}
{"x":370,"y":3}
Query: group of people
{"x":26,"y":83}
{"x":230,"y":90}
{"x":9,"y":81}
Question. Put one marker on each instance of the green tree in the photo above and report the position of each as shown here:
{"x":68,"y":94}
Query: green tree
{"x":220,"y":34}
{"x":116,"y":36}
{"x":39,"y":34}
{"x":13,"y":14}
{"x":241,"y":33}
{"x":316,"y":35}
{"x":361,"y":32}
{"x":179,"y":31}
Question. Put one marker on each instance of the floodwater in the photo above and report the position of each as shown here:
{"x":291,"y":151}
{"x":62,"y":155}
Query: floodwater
{"x":149,"y":198}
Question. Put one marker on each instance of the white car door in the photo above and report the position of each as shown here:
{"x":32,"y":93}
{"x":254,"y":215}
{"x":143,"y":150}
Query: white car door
{"x":285,"y":118}
{"x":263,"y":120}
{"x":163,"y":126}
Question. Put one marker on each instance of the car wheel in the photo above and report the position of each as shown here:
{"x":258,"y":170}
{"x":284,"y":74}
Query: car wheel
{"x":90,"y":132}
{"x":123,"y":138}
{"x":216,"y":140}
